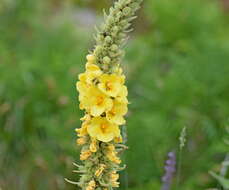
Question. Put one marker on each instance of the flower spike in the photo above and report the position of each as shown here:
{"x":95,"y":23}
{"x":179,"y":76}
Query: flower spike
{"x":103,"y":97}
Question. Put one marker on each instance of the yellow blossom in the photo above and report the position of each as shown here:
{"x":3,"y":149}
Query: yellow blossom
{"x":102,"y":130}
{"x":83,"y":130}
{"x":111,"y":84}
{"x":93,"y":147}
{"x":86,"y":117}
{"x":92,"y":73}
{"x":115,"y":115}
{"x":111,"y":147}
{"x":92,"y":68}
{"x":114,"y":178}
{"x":118,"y":70}
{"x":81,"y":141}
{"x":85,"y":154}
{"x":122,"y":95}
{"x":91,"y":185}
{"x":95,"y":102}
{"x":115,"y":184}
{"x":112,"y":156}
{"x":100,"y":170}
{"x":82,"y":87}
{"x":118,"y":139}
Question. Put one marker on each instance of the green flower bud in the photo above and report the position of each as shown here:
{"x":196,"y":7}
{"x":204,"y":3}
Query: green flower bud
{"x":108,"y":39}
{"x":106,"y":60}
{"x":124,"y":23}
{"x":126,"y":11}
{"x":134,"y":6}
{"x":114,"y":47}
{"x":98,"y":49}
{"x":115,"y":29}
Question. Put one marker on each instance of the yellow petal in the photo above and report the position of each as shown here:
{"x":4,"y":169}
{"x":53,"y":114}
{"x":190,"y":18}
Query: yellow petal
{"x":105,"y":137}
{"x":117,"y":119}
{"x":102,"y":130}
{"x":96,"y":110}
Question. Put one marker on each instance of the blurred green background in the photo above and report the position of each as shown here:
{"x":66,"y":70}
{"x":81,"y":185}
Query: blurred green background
{"x":177,"y":67}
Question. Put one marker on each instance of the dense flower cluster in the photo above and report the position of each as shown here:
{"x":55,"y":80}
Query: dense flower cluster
{"x":103,"y":97}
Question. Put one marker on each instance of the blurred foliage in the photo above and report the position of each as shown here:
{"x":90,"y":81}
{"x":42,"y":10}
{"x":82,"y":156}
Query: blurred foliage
{"x":177,"y":70}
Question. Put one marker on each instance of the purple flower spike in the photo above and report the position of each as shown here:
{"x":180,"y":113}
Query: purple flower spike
{"x":170,"y":169}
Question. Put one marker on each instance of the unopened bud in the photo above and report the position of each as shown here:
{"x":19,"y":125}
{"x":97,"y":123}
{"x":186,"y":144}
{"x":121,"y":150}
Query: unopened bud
{"x":126,"y":11}
{"x":108,"y":39}
{"x":114,"y":47}
{"x":106,"y":60}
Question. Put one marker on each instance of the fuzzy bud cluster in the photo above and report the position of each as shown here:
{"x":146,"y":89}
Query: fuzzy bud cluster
{"x":113,"y":33}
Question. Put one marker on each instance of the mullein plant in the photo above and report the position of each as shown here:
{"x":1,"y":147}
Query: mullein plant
{"x":103,"y":97}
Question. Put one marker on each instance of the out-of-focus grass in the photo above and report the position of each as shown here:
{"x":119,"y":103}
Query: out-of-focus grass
{"x":177,"y":74}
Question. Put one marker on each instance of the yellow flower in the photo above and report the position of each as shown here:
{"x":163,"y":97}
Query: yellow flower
{"x":122,"y":95}
{"x":83,"y":130}
{"x":102,"y":130}
{"x":92,"y":68}
{"x":93,"y":147}
{"x":82,"y":87}
{"x":86,"y":117}
{"x":118,"y":139}
{"x":111,"y":147}
{"x":100,"y":170}
{"x":115,"y":184}
{"x":111,"y":84}
{"x":114,"y":178}
{"x":91,"y":185}
{"x":92,"y":73}
{"x":112,"y":156}
{"x":115,"y":115}
{"x":95,"y":102}
{"x":118,"y":70}
{"x":85,"y":154}
{"x":81,"y":141}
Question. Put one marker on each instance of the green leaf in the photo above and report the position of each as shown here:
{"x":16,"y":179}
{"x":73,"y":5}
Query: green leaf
{"x":224,"y":182}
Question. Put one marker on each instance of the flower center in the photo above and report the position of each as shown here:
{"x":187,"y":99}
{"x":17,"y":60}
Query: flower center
{"x":108,"y":86}
{"x":112,"y":112}
{"x":103,"y":127}
{"x":99,"y":100}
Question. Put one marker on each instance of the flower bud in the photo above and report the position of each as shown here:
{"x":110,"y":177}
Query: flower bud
{"x":90,"y":58}
{"x":106,"y":60}
{"x":114,"y":47}
{"x":126,"y":11}
{"x":108,"y":39}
